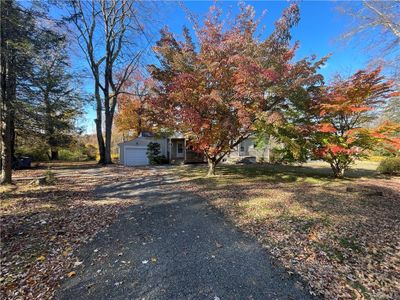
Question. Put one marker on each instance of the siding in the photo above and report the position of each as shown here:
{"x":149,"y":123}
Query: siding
{"x":143,"y":142}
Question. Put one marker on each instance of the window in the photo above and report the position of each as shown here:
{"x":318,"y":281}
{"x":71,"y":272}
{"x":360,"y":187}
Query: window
{"x":241,"y":148}
{"x":180,"y":147}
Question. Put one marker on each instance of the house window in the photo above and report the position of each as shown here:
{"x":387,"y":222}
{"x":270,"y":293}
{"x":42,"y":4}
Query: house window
{"x":241,"y":148}
{"x":180,"y":148}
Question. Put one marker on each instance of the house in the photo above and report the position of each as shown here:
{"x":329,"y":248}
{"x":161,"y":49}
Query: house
{"x":248,"y":152}
{"x":175,"y":149}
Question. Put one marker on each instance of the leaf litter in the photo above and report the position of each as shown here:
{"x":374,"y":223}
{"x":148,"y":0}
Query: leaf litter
{"x":43,"y":226}
{"x":345,"y":245}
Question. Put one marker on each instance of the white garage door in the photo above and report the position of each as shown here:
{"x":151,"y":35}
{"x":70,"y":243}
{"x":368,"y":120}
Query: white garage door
{"x":135,"y":157}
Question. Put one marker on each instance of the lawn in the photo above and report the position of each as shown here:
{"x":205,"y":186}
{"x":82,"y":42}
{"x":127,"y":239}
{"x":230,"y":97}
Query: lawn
{"x":43,"y":225}
{"x":341,"y":236}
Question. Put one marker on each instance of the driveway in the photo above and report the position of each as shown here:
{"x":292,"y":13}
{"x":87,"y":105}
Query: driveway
{"x":172,"y":245}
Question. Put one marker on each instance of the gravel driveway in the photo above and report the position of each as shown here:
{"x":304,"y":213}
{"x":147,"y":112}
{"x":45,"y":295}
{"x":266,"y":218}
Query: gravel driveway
{"x":172,"y":245}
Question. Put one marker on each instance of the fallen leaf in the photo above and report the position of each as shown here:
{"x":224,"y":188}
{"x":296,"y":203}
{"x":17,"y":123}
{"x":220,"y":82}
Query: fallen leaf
{"x":78,"y":263}
{"x":71,"y":274}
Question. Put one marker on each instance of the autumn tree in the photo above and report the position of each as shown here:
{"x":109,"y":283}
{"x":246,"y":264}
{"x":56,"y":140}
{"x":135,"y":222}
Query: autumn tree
{"x":215,"y":92}
{"x":344,"y":109}
{"x":133,"y":114}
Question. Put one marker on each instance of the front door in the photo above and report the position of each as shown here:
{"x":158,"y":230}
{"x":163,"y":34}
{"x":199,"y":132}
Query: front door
{"x":179,"y":149}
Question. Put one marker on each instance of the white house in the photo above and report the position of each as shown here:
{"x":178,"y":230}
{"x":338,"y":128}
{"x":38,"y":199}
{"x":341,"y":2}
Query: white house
{"x":175,"y":149}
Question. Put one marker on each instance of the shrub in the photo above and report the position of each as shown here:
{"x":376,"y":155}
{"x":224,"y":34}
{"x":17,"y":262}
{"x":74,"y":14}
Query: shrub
{"x":90,"y":151}
{"x":49,"y":177}
{"x":69,"y":155}
{"x":153,"y":154}
{"x":38,"y":153}
{"x":390,"y":166}
{"x":114,"y":156}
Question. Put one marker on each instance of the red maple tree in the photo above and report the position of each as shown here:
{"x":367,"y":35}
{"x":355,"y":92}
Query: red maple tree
{"x":214,"y":93}
{"x":343,"y":111}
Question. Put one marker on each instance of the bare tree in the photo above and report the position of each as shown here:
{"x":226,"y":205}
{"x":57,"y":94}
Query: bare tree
{"x":377,"y":24}
{"x":108,"y":32}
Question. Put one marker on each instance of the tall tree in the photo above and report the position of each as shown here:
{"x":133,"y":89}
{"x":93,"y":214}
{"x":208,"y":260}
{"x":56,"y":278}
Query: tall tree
{"x":371,"y":15}
{"x":376,"y":25}
{"x":215,"y":95}
{"x":16,"y":28}
{"x":52,"y":92}
{"x":107,"y":32}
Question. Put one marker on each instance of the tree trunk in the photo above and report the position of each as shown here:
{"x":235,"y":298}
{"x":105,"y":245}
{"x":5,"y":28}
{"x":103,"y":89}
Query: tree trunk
{"x":98,"y":121}
{"x":8,"y":86}
{"x":108,"y":159}
{"x":211,"y":166}
{"x":338,"y":172}
{"x":54,"y":155}
{"x":107,"y":111}
{"x":268,"y":147}
{"x":100,"y":142}
{"x":6,"y":141}
{"x":13,"y":134}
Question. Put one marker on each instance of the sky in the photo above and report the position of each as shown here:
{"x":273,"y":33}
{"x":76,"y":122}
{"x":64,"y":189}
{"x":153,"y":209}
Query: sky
{"x":318,"y":33}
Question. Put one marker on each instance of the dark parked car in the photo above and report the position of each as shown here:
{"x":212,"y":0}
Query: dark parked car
{"x":21,"y":162}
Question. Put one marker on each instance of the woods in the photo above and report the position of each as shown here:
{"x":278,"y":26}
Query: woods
{"x":40,"y":96}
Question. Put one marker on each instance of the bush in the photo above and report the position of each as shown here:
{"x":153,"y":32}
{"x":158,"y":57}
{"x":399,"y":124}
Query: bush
{"x":90,"y":151}
{"x":390,"y":166}
{"x":38,"y":153}
{"x":114,"y":156}
{"x":49,"y":177}
{"x":153,"y":154}
{"x":287,"y":155}
{"x":68,"y":155}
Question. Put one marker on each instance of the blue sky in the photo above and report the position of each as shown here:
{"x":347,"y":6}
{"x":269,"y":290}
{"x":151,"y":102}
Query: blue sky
{"x":318,"y":32}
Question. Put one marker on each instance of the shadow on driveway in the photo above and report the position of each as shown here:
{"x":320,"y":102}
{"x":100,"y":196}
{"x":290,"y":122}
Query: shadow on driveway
{"x":172,"y":245}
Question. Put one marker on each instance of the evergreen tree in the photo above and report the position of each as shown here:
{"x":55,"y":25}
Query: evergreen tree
{"x":16,"y":28}
{"x":52,"y":99}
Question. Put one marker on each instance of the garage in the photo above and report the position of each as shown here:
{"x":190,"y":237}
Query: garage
{"x":135,"y":156}
{"x":133,"y":152}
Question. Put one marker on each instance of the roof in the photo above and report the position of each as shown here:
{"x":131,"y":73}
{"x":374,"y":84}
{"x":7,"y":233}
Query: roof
{"x":146,"y":134}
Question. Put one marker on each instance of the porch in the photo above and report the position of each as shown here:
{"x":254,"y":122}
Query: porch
{"x":181,"y":153}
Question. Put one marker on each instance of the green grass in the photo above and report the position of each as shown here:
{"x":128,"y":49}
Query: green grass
{"x":313,"y":172}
